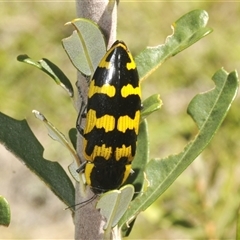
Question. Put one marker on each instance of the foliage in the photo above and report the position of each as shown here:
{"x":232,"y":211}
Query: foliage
{"x":128,"y":44}
{"x":22,"y":142}
{"x":5,"y":214}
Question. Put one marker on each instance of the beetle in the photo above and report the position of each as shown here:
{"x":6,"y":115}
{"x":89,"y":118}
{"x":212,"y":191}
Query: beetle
{"x":112,"y":120}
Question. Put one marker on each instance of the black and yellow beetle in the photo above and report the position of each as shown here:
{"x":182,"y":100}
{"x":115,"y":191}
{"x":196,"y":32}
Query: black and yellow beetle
{"x":112,"y":120}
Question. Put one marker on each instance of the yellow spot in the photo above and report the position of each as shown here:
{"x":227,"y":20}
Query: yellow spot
{"x":129,"y":90}
{"x":132,"y":64}
{"x":102,"y":151}
{"x":124,"y":152}
{"x":107,"y":122}
{"x":98,"y":151}
{"x":103,"y":63}
{"x":87,"y":157}
{"x":88,"y":171}
{"x":105,"y":89}
{"x":129,"y":65}
{"x":122,"y":45}
{"x":125,"y":122}
{"x":128,"y":169}
{"x":91,"y":121}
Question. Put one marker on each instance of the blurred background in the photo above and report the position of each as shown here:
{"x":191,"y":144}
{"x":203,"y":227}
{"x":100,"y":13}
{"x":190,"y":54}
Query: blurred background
{"x":204,"y":201}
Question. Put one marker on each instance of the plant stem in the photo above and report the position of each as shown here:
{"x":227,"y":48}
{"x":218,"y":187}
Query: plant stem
{"x":88,"y":221}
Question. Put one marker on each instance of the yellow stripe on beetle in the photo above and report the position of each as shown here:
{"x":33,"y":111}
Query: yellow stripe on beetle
{"x":98,"y":151}
{"x":129,"y":90}
{"x":124,"y":152}
{"x":132,"y":64}
{"x":88,"y":170}
{"x":102,"y":151}
{"x":107,"y":122}
{"x":125,"y":122}
{"x":107,"y":89}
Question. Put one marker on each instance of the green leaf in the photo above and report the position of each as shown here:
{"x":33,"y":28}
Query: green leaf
{"x":208,"y":110}
{"x":113,"y":204}
{"x":56,"y":135}
{"x":73,"y":137}
{"x":18,"y":138}
{"x":72,"y":168}
{"x":150,"y":105}
{"x":139,"y":163}
{"x":5,"y":213}
{"x":50,"y":69}
{"x":141,"y":158}
{"x":86,"y":46}
{"x":187,"y":30}
{"x":211,"y":106}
